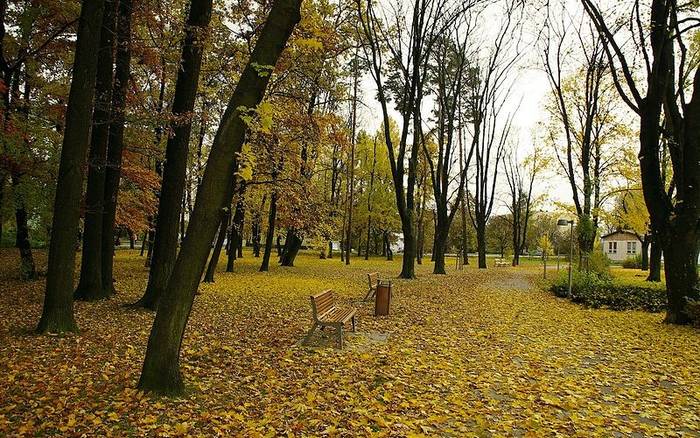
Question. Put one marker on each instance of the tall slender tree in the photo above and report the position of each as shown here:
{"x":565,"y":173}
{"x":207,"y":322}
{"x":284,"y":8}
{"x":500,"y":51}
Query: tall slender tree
{"x":57,"y":313}
{"x":116,"y":141}
{"x":172,"y":190}
{"x":90,"y":283}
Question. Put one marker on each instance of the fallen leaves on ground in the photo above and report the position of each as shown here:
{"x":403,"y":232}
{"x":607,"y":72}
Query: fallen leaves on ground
{"x":473,"y":353}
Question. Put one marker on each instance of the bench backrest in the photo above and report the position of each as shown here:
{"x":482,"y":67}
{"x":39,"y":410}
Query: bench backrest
{"x":322,"y":303}
{"x":373,"y":279}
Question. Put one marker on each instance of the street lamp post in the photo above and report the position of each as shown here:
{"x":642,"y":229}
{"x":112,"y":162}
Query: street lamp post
{"x":563,"y":223}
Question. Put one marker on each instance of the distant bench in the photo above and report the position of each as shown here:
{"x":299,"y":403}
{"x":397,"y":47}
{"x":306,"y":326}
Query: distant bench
{"x":501,"y":263}
{"x":327,"y":314}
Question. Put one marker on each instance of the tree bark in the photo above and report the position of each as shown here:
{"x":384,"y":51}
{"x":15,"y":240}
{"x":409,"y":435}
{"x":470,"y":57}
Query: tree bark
{"x":269,"y":236}
{"x":216,"y":253}
{"x":165,"y":241}
{"x":236,"y":229}
{"x":161,"y":368}
{"x":90,"y":283}
{"x":57,"y":313}
{"x":655,"y":262}
{"x":481,"y":241}
{"x":116,"y":141}
{"x":292,"y":245}
{"x":645,"y":252}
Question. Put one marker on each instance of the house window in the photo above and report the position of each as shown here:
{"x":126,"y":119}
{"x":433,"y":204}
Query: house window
{"x":612,"y":247}
{"x":631,"y":247}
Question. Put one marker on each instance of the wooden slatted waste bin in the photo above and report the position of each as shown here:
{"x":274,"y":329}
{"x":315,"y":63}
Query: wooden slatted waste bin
{"x":382,"y":300}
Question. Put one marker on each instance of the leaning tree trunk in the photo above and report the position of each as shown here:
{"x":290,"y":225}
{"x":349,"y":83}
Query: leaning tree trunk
{"x":161,"y":368}
{"x":27,"y":269}
{"x":270,"y":235}
{"x":57,"y":313}
{"x":292,"y":245}
{"x":90,"y":283}
{"x":176,"y":154}
{"x":116,"y":142}
{"x":216,"y":253}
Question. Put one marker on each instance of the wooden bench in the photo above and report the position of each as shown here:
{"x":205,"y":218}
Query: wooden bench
{"x":501,"y":263}
{"x":327,"y":314}
{"x":373,"y":280}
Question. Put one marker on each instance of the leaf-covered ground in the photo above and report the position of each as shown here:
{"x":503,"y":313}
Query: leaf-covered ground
{"x":471,"y":353}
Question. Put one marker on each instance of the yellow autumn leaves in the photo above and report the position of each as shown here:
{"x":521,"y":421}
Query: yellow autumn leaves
{"x":472,"y":353}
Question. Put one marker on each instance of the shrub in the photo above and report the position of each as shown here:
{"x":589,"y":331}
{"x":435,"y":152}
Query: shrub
{"x":595,"y":291}
{"x":598,"y":263}
{"x":633,"y":262}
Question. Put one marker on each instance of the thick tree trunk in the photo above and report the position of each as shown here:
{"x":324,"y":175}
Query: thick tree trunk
{"x":173,"y":188}
{"x":116,"y":141}
{"x":216,"y":253}
{"x":161,"y":368}
{"x":292,"y":245}
{"x":57,"y":313}
{"x":441,"y":235}
{"x":269,"y":236}
{"x":645,"y":253}
{"x":27,"y":270}
{"x":681,"y":269}
{"x":90,"y":283}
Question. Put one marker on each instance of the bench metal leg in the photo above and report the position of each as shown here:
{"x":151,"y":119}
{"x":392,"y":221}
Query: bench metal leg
{"x":308,"y":335}
{"x":370,"y":294}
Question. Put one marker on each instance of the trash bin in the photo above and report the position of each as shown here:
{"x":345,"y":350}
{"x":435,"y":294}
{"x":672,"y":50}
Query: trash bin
{"x":382,"y":300}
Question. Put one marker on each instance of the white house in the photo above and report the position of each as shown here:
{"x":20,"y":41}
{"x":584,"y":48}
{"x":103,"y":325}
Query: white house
{"x":620,"y":245}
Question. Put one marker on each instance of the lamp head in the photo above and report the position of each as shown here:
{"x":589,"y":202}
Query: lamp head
{"x":564,"y":222}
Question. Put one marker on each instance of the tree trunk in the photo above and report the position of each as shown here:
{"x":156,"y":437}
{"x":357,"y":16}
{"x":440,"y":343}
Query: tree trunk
{"x":216,"y":253}
{"x":236,"y":230}
{"x":172,"y":191}
{"x":161,"y":368}
{"x":279,"y":245}
{"x":409,"y":249}
{"x":27,"y":269}
{"x":57,"y":313}
{"x":132,"y":242}
{"x":387,"y":247}
{"x":116,"y":141}
{"x":645,"y":253}
{"x":269,"y":236}
{"x":441,"y":235}
{"x":481,"y":241}
{"x":655,"y":261}
{"x":681,"y":269}
{"x":90,"y":283}
{"x":292,"y":245}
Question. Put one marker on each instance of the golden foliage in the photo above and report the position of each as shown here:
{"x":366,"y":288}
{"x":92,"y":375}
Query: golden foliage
{"x":474,"y":353}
